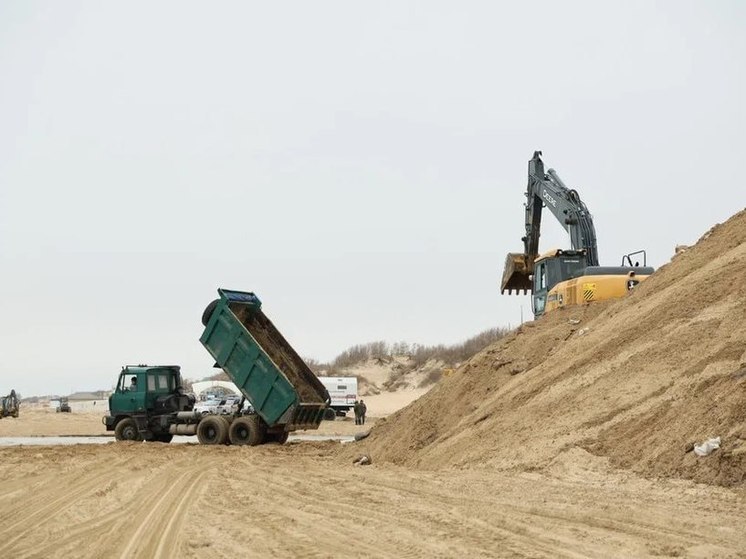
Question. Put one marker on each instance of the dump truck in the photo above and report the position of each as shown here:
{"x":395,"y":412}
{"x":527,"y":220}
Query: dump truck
{"x":560,"y":278}
{"x":149,"y":402}
{"x":9,"y":405}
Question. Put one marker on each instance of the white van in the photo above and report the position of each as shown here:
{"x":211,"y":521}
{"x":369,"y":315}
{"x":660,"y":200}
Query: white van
{"x":342,"y":391}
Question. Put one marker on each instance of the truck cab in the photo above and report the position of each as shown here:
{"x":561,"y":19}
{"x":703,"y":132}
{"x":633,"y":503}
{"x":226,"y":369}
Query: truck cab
{"x":143,"y":400}
{"x":140,"y":387}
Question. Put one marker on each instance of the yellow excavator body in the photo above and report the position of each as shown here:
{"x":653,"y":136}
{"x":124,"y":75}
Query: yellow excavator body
{"x":586,"y":289}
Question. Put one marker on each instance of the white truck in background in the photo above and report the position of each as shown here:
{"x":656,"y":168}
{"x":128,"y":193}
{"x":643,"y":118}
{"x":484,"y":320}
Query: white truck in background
{"x":342,"y":392}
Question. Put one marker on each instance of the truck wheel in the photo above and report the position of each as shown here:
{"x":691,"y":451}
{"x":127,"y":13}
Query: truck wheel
{"x":227,"y":425}
{"x":330,"y":414}
{"x":280,"y":438}
{"x":208,"y":312}
{"x":249,"y":430}
{"x":126,"y":430}
{"x":211,"y":430}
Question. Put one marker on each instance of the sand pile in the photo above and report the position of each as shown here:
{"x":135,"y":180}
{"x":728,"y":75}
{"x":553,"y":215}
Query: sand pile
{"x":636,"y":380}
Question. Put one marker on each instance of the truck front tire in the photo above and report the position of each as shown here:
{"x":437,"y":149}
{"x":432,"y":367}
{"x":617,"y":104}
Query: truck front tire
{"x":126,"y":430}
{"x":212,"y":430}
{"x":248,"y":430}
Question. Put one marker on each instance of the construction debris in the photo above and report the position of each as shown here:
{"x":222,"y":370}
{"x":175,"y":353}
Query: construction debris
{"x":362,"y":460}
{"x":707,"y":447}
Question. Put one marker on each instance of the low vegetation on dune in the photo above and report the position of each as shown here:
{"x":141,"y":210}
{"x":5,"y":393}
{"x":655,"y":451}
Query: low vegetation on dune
{"x":381,"y":366}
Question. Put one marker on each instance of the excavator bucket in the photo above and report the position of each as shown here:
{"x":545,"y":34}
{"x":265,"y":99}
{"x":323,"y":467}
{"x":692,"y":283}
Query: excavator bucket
{"x":516,"y":275}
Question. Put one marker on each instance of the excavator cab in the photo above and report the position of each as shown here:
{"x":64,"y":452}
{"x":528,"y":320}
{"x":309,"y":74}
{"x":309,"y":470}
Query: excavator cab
{"x":558,"y":265}
{"x":553,"y":268}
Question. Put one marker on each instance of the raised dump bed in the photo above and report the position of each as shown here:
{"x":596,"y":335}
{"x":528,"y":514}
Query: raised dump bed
{"x":261,"y":363}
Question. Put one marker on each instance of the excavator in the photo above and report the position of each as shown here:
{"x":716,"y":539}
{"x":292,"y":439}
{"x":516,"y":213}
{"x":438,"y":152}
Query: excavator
{"x":561,"y":278}
{"x":9,"y":405}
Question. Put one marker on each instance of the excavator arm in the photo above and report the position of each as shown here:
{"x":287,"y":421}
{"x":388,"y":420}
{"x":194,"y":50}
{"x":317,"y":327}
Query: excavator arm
{"x":548,"y":190}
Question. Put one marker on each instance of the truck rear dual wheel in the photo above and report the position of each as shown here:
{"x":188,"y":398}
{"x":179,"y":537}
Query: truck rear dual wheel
{"x":248,"y":430}
{"x":126,"y":430}
{"x":212,"y":430}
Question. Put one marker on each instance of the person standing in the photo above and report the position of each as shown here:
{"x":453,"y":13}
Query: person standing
{"x":363,"y":411}
{"x":356,"y":409}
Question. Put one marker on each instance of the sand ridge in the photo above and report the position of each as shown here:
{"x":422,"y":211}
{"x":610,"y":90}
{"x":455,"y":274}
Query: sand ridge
{"x":635,"y":380}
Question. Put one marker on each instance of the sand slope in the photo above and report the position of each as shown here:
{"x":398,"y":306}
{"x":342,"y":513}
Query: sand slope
{"x":635,"y":380}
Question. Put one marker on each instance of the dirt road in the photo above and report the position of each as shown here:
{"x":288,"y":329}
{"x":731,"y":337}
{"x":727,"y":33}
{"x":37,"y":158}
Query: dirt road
{"x":306,"y":500}
{"x":43,"y":422}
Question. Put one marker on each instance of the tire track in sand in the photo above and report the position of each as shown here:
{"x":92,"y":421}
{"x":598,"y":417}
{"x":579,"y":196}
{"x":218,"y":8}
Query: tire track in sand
{"x":157,"y":532}
{"x":97,"y":533}
{"x":26,"y":521}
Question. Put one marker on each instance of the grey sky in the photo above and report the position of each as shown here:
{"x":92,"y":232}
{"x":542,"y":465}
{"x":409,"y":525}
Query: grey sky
{"x":360,"y":166}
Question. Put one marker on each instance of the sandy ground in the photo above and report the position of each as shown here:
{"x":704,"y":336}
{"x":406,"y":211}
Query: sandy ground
{"x":386,"y":403}
{"x":41,"y":422}
{"x":35,"y":422}
{"x":306,"y":500}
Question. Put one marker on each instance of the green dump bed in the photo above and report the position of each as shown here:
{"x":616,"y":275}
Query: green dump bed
{"x":261,"y":363}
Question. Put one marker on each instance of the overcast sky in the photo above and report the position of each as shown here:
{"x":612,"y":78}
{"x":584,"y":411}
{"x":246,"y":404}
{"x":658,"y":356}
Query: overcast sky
{"x":361,"y":166}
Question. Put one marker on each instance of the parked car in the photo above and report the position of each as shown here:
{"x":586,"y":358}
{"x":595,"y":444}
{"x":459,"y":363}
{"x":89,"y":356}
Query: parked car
{"x":227,"y":406}
{"x":207,"y":407}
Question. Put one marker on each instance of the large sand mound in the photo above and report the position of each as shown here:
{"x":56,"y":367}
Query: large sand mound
{"x":635,"y":380}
